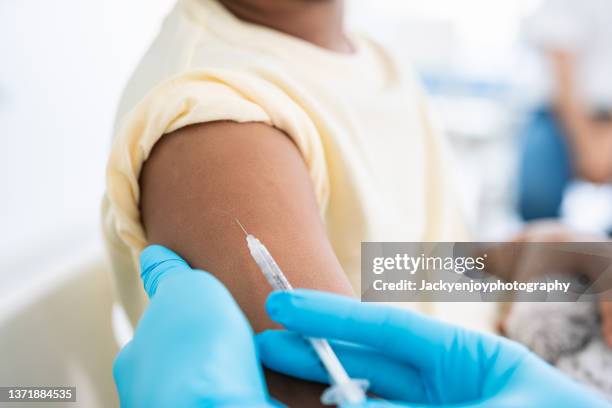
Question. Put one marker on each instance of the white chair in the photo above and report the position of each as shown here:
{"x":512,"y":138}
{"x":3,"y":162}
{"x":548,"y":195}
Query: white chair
{"x":55,"y":330}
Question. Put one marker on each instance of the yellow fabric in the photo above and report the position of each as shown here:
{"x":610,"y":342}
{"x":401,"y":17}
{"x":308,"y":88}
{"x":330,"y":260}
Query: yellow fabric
{"x":378,"y":165}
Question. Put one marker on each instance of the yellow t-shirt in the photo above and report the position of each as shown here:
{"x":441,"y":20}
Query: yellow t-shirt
{"x":378,"y":166}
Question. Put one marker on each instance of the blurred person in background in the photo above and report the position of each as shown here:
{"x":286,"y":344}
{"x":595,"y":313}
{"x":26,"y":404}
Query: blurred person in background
{"x":566,"y":166}
{"x":570,"y":137}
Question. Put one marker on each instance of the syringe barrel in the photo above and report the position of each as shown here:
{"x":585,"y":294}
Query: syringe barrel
{"x":267,"y":264}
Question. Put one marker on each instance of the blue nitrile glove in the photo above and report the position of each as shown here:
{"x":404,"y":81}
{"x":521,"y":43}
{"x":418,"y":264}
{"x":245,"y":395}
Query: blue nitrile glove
{"x":412,"y":359}
{"x":193,"y":347}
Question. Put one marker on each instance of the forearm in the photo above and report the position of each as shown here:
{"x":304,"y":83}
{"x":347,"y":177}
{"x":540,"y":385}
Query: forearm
{"x":590,"y":140}
{"x":567,"y":101}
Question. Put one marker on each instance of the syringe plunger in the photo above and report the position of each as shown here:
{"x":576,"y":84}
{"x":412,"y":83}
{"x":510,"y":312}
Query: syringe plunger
{"x":344,"y":390}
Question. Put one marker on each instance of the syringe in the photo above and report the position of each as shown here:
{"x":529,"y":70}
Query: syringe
{"x":344,"y":390}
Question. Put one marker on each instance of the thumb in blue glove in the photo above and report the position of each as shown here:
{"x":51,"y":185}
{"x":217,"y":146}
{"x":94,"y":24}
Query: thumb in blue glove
{"x":192,"y":347}
{"x":412,"y":359}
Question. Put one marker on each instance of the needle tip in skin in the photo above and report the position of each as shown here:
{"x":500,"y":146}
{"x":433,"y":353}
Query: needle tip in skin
{"x":241,"y":227}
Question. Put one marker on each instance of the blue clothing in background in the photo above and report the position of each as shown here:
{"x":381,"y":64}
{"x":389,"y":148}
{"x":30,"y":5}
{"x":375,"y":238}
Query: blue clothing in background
{"x":545,"y":168}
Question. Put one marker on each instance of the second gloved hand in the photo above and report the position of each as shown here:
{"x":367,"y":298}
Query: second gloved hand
{"x":412,"y":359}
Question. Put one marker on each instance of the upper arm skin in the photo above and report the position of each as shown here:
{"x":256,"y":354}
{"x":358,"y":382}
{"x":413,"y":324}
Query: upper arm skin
{"x":199,"y":178}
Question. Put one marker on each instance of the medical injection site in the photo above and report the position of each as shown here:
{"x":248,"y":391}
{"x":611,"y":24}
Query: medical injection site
{"x":306,"y":203}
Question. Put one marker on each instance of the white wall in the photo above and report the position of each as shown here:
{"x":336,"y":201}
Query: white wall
{"x":62,"y":66}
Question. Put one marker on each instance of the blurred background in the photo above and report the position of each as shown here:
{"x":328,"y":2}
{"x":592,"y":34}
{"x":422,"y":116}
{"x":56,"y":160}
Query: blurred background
{"x":492,"y":70}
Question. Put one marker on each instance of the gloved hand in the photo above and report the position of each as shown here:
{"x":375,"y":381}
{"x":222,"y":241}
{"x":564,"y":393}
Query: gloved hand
{"x":412,"y":359}
{"x":193,"y":347}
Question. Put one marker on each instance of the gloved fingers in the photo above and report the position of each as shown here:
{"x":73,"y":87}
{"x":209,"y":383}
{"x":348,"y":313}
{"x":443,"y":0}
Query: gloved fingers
{"x":375,"y":403}
{"x":290,"y":354}
{"x":383,"y":403}
{"x":394,"y":332}
{"x":156,"y":262}
{"x":121,"y":362}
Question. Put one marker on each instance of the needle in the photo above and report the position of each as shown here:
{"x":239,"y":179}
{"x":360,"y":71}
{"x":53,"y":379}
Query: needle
{"x":238,"y":222}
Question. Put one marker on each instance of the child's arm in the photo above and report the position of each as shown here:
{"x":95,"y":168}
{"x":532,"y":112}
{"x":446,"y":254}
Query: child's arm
{"x":199,"y":178}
